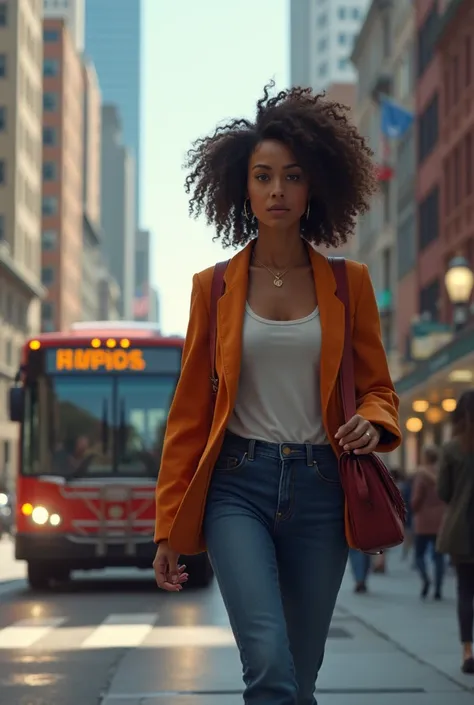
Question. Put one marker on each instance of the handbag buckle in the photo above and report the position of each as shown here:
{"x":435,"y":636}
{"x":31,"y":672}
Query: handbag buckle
{"x":215,"y":384}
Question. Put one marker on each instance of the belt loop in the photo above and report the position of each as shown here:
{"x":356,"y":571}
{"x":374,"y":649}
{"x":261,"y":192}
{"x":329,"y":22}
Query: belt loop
{"x":251,"y":450}
{"x":309,"y":454}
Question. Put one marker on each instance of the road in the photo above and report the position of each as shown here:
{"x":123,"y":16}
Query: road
{"x":117,"y":640}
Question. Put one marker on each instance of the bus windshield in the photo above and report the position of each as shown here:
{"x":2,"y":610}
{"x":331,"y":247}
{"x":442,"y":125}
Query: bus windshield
{"x":95,"y":426}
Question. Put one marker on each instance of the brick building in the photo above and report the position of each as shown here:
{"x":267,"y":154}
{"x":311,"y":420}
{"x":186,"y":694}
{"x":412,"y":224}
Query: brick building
{"x":445,"y":210}
{"x":63,"y":91}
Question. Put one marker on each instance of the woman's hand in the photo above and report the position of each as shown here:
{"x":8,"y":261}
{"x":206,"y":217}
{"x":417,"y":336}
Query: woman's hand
{"x":358,"y":435}
{"x":169,"y":574}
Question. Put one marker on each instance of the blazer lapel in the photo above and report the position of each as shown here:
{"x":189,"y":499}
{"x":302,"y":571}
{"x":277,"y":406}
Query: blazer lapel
{"x":331,"y":313}
{"x":230,"y":319}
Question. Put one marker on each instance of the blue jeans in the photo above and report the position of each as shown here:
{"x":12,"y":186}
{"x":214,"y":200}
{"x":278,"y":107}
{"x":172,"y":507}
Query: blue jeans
{"x":423,"y":542}
{"x":360,"y":565}
{"x":274,"y":527}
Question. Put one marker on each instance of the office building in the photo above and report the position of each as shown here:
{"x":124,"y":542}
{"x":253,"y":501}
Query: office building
{"x":322,"y":35}
{"x":63,"y":115}
{"x":114,"y":43}
{"x":383,"y":56}
{"x":72,"y":12}
{"x":21,"y":91}
{"x":91,"y":217}
{"x":118,"y":208}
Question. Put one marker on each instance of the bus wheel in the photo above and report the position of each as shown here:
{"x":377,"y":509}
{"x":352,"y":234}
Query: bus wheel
{"x":39,"y":577}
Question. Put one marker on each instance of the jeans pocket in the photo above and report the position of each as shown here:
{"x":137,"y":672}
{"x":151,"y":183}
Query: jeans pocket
{"x":230,"y":461}
{"x":328,"y":471}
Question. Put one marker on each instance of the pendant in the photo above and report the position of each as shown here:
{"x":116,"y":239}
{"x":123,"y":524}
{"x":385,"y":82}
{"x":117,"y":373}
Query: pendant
{"x":278,"y":282}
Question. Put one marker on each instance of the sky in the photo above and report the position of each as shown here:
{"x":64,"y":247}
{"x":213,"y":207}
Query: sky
{"x":204,"y":62}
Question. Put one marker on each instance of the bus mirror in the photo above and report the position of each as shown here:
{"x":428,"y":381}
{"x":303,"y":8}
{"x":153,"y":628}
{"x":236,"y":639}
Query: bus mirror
{"x":16,"y":403}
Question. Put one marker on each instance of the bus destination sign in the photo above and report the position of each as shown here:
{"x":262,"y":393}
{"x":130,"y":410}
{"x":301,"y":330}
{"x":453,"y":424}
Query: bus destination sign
{"x":158,"y":360}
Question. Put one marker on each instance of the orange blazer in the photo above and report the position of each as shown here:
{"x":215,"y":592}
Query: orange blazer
{"x":194,"y":436}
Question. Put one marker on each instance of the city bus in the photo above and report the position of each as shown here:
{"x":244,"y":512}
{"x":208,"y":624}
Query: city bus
{"x":92,"y":405}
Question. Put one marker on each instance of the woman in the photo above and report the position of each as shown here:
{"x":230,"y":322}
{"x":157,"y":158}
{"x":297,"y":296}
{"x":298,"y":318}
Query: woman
{"x":456,"y":538}
{"x":256,"y":480}
{"x":428,"y":511}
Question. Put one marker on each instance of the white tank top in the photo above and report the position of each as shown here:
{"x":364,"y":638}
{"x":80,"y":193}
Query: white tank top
{"x":279,"y":398}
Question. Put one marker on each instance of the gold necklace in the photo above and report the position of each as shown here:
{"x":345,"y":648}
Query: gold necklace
{"x":277,"y":276}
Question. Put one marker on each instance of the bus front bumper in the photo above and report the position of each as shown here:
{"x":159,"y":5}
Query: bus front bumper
{"x":77,"y":555}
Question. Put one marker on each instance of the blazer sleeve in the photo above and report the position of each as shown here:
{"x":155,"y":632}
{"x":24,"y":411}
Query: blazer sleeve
{"x":189,"y":419}
{"x":376,"y":398}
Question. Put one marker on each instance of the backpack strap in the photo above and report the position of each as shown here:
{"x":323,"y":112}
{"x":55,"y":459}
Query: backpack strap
{"x":217,"y":290}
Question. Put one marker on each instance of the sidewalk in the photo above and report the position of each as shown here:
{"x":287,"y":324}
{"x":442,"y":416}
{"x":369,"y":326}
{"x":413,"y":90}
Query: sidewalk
{"x":426,"y":630}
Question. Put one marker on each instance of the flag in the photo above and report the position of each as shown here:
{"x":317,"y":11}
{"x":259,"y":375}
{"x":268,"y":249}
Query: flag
{"x":141,"y":303}
{"x":396,"y":119}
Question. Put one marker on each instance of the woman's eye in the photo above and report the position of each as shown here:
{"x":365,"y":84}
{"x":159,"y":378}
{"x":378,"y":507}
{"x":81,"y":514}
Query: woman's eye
{"x":294,"y":177}
{"x":262,"y":177}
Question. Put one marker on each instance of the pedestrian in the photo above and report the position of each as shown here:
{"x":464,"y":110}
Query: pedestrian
{"x":360,"y":566}
{"x":428,"y":511}
{"x":255,"y":479}
{"x":456,"y":537}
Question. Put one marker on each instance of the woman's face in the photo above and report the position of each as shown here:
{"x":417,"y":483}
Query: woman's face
{"x":277,"y":187}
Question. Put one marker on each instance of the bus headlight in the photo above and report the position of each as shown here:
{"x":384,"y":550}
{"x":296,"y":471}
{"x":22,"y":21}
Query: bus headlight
{"x":40,"y":515}
{"x":55,"y":520}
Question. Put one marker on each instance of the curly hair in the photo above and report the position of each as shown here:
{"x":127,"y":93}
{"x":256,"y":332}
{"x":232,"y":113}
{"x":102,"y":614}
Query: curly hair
{"x":335,"y":158}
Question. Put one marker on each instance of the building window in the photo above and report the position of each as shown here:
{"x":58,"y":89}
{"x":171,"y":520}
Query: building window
{"x":428,"y":129}
{"x":50,"y":36}
{"x":342,"y":39}
{"x":469,"y":157}
{"x":322,"y":20}
{"x":3,"y":233}
{"x":468,"y":60}
{"x":47,"y":311}
{"x":3,"y":65}
{"x":47,"y":276}
{"x":49,"y":171}
{"x":322,"y":44}
{"x":49,"y":239}
{"x":342,"y":12}
{"x":406,"y":245}
{"x":323,"y":69}
{"x":427,"y":39}
{"x":49,"y":136}
{"x":3,"y":14}
{"x":342,"y":64}
{"x":3,"y":172}
{"x":50,"y":205}
{"x":50,"y":67}
{"x":428,"y":218}
{"x":3,"y":118}
{"x":50,"y":102}
{"x":429,"y":301}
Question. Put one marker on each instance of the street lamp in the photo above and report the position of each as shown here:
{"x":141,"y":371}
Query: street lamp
{"x":459,"y":280}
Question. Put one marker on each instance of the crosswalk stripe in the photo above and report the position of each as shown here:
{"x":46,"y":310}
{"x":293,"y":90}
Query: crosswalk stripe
{"x":27,"y":632}
{"x":176,"y":637}
{"x":121,"y":631}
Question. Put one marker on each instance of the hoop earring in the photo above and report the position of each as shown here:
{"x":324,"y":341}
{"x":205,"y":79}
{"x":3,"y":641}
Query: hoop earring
{"x":308,"y":210}
{"x":246,"y":213}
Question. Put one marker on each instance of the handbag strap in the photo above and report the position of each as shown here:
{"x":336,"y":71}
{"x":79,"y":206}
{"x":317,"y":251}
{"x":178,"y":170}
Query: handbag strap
{"x":217,"y":289}
{"x":346,"y":370}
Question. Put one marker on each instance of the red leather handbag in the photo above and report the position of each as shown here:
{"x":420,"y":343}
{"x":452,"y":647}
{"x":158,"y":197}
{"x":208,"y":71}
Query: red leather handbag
{"x":375,"y":509}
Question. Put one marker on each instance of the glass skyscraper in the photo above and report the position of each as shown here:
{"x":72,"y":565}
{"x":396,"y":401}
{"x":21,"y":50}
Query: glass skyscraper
{"x":113,"y":31}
